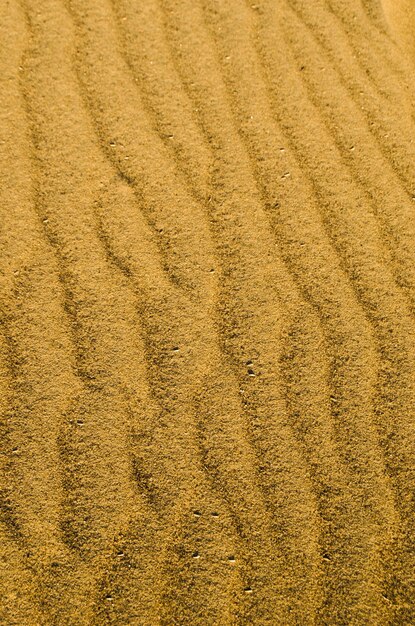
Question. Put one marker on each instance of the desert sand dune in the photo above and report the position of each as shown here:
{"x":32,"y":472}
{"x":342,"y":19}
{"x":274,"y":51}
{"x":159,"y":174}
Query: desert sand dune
{"x":207,"y":306}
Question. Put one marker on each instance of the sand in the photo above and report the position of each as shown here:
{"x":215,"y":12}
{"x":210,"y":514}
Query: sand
{"x":207,"y":303}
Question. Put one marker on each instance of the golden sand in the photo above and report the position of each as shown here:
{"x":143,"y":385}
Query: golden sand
{"x":207,"y":340}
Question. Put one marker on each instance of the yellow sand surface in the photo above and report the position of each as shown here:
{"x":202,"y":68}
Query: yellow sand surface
{"x":207,"y":312}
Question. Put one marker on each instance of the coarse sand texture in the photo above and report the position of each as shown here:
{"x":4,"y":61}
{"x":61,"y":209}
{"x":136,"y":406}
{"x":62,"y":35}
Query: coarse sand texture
{"x":207,"y":312}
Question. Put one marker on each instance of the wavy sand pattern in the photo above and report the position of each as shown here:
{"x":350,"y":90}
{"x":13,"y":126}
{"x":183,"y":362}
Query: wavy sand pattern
{"x":207,"y":339}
